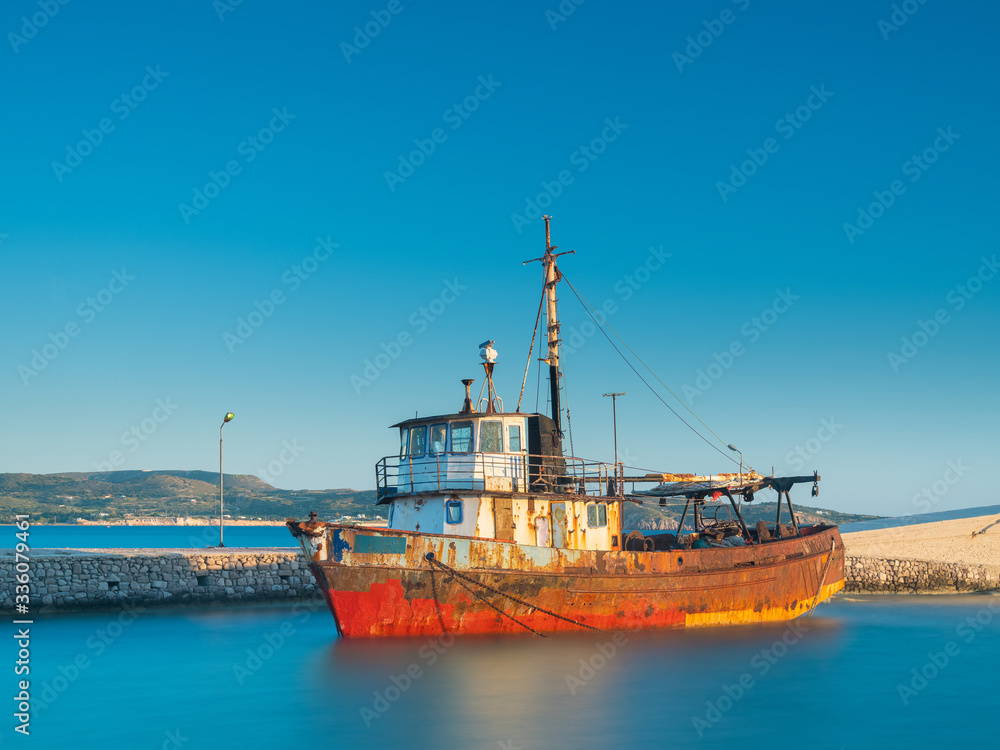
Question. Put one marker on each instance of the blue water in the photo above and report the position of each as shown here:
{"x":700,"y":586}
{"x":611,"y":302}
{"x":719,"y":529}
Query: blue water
{"x":193,"y":537}
{"x":946,"y":515}
{"x":143,"y":537}
{"x":209,"y":679}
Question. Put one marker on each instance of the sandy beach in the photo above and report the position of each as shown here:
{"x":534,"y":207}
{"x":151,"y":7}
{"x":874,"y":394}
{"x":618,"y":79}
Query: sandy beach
{"x":940,"y":541}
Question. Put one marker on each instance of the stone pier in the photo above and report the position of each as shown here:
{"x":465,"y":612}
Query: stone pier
{"x":881,"y":575}
{"x":77,"y":580}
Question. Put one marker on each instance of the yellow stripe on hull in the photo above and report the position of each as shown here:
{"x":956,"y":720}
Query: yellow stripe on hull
{"x":770,"y":614}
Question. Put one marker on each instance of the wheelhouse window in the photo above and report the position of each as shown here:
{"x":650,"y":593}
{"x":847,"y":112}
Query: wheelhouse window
{"x":491,"y":437}
{"x":453,"y":511}
{"x":461,"y":437}
{"x":418,"y":440}
{"x":439,"y":433}
{"x":597,"y":515}
{"x":514,"y":438}
{"x":404,"y":434}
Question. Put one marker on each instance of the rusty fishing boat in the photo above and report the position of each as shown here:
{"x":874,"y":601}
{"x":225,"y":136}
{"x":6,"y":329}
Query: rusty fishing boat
{"x":493,"y":529}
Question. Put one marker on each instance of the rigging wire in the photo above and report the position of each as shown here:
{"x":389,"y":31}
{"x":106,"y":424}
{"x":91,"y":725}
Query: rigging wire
{"x":538,"y":388}
{"x":587,"y":308}
{"x":527,"y":365}
{"x":569,"y":426}
{"x":569,"y":429}
{"x":665,"y":386}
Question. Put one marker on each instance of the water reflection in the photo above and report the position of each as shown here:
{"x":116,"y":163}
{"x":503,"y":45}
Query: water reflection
{"x":224,"y":678}
{"x":580,"y":690}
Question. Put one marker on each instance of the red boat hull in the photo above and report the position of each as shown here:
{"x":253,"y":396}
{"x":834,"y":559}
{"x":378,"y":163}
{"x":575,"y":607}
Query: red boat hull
{"x":486,"y":586}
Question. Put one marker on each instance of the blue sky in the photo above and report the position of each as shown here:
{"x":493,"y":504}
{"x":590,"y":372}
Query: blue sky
{"x":178,"y":169}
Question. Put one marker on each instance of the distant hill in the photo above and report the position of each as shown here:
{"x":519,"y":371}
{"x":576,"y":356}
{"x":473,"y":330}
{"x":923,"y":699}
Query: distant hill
{"x":243,"y":481}
{"x":650,"y":516}
{"x":66,"y":496}
{"x":70,"y":495}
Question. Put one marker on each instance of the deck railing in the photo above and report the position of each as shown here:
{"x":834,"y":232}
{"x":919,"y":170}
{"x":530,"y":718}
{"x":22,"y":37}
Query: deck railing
{"x":498,"y":472}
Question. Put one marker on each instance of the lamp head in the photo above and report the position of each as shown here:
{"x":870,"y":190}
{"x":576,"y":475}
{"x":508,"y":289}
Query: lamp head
{"x":733,"y":448}
{"x":229,"y":416}
{"x":487,"y":352}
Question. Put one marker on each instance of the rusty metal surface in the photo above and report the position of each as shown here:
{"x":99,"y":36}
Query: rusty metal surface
{"x":390,"y":589}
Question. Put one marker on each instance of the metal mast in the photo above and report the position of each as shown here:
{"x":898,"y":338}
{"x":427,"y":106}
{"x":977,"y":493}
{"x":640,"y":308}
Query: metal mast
{"x":552,"y":277}
{"x":552,"y":318}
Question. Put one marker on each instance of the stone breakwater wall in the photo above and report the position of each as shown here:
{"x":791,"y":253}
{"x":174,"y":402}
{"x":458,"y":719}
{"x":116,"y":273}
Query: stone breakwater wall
{"x":880,"y":575}
{"x":95,"y":580}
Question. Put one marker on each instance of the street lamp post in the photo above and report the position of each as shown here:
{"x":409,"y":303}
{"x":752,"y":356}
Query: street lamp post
{"x":614,"y":420}
{"x":229,"y":415}
{"x":734,"y":449}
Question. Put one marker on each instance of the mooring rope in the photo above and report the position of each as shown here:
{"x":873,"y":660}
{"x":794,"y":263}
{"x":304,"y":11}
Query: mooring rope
{"x":437,"y":603}
{"x":429,"y":557}
{"x":822,"y":580}
{"x":491,"y":605}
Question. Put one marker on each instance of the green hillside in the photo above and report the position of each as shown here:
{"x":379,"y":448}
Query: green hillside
{"x":62,"y":498}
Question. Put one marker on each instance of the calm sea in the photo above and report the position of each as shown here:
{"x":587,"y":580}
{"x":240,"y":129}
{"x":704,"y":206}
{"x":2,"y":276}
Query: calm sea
{"x":877,"y":673}
{"x":146,"y":537}
{"x":913,"y":672}
{"x":193,"y":537}
{"x":946,"y":515}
